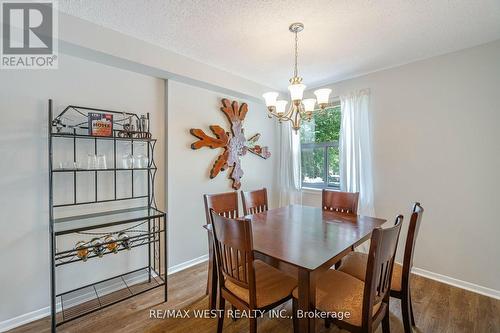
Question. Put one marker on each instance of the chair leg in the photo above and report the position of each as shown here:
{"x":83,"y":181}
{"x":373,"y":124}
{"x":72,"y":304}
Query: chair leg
{"x":253,"y":325}
{"x":295,"y":320}
{"x":411,"y":313}
{"x":220,"y":321}
{"x":233,"y":308}
{"x":405,"y":312}
{"x":386,"y":323}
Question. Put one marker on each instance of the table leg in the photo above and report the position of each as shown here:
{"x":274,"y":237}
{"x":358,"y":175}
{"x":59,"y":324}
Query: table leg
{"x":212,"y":275}
{"x":307,"y":300}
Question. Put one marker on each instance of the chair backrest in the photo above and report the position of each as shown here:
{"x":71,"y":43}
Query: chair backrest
{"x":344,"y":202}
{"x":254,"y":201}
{"x":379,"y":269}
{"x":225,"y":204}
{"x":411,"y":237}
{"x":234,"y":252}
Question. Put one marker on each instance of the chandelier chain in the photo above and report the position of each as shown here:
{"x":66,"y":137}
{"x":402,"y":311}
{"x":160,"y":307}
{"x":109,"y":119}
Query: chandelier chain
{"x":295,"y":72}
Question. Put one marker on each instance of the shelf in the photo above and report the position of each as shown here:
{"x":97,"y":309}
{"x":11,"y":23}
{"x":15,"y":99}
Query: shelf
{"x":108,"y":169}
{"x":77,"y":223}
{"x":92,"y":137}
{"x":79,"y":302}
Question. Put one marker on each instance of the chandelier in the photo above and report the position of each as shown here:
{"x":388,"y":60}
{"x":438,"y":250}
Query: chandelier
{"x":299,"y":109}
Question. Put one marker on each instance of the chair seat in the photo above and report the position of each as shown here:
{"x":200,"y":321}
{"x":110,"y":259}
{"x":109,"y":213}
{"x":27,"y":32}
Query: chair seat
{"x":340,"y":292}
{"x":271,"y":284}
{"x":355,"y":264}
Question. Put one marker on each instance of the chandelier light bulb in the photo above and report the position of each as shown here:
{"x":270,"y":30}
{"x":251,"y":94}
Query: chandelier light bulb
{"x":309,"y":104}
{"x":323,"y":96}
{"x":281,"y":107}
{"x":297,"y":91}
{"x":270,"y":98}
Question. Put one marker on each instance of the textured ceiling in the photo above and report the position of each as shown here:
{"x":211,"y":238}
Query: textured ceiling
{"x":341,"y":38}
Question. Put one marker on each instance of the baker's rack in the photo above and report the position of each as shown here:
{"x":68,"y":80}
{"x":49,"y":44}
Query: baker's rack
{"x":148,"y":224}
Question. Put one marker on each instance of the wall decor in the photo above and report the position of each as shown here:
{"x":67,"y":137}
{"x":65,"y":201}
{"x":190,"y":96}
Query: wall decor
{"x":233,"y":143}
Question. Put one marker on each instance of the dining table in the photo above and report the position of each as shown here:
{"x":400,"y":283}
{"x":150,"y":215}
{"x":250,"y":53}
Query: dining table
{"x":309,"y":239}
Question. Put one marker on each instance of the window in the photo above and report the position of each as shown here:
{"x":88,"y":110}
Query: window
{"x":319,"y":140}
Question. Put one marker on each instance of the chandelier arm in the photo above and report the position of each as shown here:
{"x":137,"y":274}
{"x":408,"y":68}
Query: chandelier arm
{"x":289,"y":114}
{"x":281,"y":118}
{"x":297,"y":118}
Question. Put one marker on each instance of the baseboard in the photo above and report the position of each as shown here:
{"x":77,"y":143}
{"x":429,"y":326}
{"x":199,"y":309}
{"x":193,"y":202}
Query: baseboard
{"x":44,"y":312}
{"x":458,"y":283}
{"x":187,"y":264}
{"x":24,"y":319}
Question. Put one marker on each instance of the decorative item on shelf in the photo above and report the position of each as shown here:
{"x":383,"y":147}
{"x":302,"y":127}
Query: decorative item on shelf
{"x":111,"y":243}
{"x":101,"y":162}
{"x":124,"y":240}
{"x":95,"y":162}
{"x":140,"y":161}
{"x":100,"y":124}
{"x":58,"y":124}
{"x":300,"y":109}
{"x":91,"y":161}
{"x":128,"y":161}
{"x":69,"y":165}
{"x":234,"y":143}
{"x":82,"y":251}
{"x":97,"y":247}
{"x":139,"y":131}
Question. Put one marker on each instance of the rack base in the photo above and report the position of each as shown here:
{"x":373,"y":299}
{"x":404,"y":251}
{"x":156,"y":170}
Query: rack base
{"x":94,"y":297}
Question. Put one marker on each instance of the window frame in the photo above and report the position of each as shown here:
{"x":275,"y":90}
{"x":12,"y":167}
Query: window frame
{"x":325,"y":146}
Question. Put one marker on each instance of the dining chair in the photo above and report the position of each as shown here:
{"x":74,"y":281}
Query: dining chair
{"x":343,"y":202}
{"x":254,"y":201}
{"x":248,"y":284}
{"x":225,"y":204}
{"x":367,"y":302}
{"x":355,"y":264}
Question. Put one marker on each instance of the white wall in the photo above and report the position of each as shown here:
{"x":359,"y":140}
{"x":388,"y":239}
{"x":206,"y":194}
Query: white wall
{"x":436,"y":135}
{"x":188,"y":170}
{"x":83,"y":38}
{"x":24,"y":253}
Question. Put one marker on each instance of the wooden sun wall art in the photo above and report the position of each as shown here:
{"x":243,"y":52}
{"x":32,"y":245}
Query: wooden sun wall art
{"x":233,"y":143}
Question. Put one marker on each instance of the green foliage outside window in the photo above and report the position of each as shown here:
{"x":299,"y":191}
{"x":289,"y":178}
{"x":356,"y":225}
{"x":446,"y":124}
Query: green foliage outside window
{"x":319,"y":139}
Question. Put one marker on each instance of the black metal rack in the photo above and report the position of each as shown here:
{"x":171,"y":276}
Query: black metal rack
{"x":149,"y":223}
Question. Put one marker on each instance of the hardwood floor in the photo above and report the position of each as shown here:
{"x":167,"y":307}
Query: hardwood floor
{"x":438,"y":308}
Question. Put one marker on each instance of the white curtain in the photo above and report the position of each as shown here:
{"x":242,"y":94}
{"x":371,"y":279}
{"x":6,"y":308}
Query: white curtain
{"x":289,"y":173}
{"x":356,"y":150}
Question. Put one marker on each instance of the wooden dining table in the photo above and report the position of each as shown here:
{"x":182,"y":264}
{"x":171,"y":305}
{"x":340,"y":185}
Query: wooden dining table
{"x":308,"y":239}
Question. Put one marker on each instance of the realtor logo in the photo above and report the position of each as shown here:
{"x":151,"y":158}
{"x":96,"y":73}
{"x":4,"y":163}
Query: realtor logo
{"x":29,"y":38}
